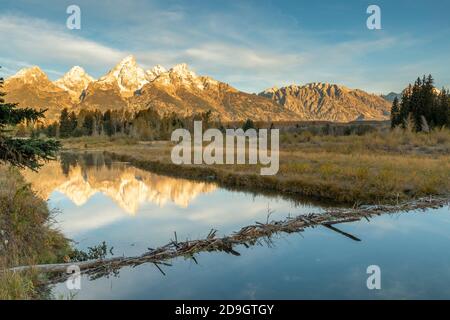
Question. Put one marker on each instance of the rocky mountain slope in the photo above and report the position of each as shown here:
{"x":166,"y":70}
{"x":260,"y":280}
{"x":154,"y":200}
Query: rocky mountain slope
{"x":181,"y":91}
{"x":323,"y":101}
{"x":112,"y":90}
{"x":127,"y":75}
{"x":31,"y":88}
{"x":129,"y":87}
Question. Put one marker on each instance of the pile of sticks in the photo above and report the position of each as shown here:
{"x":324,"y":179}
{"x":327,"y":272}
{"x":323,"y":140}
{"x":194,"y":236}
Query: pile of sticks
{"x":247,"y":236}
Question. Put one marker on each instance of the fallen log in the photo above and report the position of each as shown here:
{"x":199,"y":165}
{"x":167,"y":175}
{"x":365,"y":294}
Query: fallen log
{"x":247,"y":236}
{"x":62,"y":267}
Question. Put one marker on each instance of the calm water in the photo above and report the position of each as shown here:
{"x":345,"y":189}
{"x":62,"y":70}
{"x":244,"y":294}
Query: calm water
{"x":102,"y":200}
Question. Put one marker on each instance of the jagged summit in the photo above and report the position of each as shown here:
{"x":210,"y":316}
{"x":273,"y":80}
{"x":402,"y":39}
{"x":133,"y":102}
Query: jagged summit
{"x":181,"y":75}
{"x":128,"y":76}
{"x":155,"y":72}
{"x":331,"y":102}
{"x":74,"y":81}
{"x":183,"y":71}
{"x":270,"y":90}
{"x":129,"y":59}
{"x":30,"y":75}
{"x":75,"y":73}
{"x":28,"y":71}
{"x":325,"y":85}
{"x":158,"y":69}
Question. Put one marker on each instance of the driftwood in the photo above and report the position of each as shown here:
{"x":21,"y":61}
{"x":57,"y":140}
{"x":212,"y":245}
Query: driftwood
{"x":247,"y":236}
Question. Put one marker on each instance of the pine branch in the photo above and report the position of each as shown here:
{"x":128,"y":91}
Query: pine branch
{"x":9,"y":115}
{"x":27,"y":153}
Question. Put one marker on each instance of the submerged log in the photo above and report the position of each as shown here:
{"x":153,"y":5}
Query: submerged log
{"x":348,"y":235}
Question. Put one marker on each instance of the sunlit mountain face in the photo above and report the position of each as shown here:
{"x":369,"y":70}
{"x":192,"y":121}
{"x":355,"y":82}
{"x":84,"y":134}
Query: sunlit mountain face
{"x":81,"y":177}
{"x":180,"y":90}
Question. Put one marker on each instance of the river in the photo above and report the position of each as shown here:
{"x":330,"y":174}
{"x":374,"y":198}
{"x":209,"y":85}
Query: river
{"x":98,"y":199}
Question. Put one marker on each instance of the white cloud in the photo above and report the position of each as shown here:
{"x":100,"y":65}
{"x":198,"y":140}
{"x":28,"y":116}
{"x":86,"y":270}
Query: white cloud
{"x":33,"y":42}
{"x":249,"y":54}
{"x":241,"y":57}
{"x":250,"y":66}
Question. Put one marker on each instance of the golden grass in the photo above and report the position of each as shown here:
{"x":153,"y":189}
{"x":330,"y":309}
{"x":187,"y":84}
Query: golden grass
{"x":379,"y":167}
{"x":26,"y":236}
{"x":17,"y":286}
{"x":369,"y":177}
{"x":382,"y":142}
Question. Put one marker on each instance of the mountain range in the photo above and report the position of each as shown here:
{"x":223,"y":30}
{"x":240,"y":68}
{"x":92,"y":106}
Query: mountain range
{"x":178,"y":89}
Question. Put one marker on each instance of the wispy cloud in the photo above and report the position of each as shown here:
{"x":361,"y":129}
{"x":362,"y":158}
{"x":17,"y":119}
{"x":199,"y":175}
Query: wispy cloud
{"x":241,"y":57}
{"x":34,"y":41}
{"x":38,"y":42}
{"x":251,"y":47}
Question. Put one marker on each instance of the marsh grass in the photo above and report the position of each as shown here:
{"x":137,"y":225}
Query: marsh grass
{"x":383,"y":141}
{"x":26,"y":235}
{"x":17,"y":286}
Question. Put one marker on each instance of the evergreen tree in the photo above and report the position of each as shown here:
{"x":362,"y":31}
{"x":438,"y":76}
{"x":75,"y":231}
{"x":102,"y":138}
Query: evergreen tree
{"x":416,"y":105}
{"x":22,"y":152}
{"x":443,"y":109}
{"x":429,"y":100}
{"x":73,"y":122}
{"x":405,"y":109}
{"x":248,"y":125}
{"x":88,"y":124}
{"x":65,"y":124}
{"x":51,"y":130}
{"x":395,"y":113}
{"x":107,"y":123}
{"x":98,"y":117}
{"x":421,"y":107}
{"x":206,"y":119}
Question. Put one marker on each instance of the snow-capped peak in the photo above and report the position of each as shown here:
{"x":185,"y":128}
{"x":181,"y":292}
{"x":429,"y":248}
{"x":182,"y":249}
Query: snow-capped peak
{"x":75,"y":75}
{"x":180,"y":74}
{"x":155,"y":72}
{"x":127,"y":66}
{"x":128,"y":75}
{"x":74,"y":81}
{"x":183,"y":71}
{"x":77,"y":72}
{"x":130,"y":59}
{"x":30,"y":75}
{"x":158,"y":69}
{"x":129,"y":62}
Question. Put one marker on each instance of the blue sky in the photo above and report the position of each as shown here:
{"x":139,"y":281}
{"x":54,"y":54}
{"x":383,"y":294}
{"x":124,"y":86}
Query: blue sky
{"x":252,"y":45}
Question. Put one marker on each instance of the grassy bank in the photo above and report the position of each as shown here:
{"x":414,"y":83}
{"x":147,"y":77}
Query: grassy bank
{"x":377,"y":167}
{"x":26,"y":236}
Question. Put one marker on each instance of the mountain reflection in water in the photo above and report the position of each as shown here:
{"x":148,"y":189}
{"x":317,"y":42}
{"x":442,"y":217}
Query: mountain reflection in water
{"x":98,"y":199}
{"x":81,"y":177}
